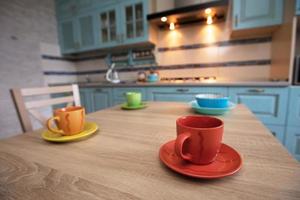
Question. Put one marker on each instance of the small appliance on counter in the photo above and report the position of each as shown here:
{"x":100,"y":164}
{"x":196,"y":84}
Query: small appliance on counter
{"x":141,"y":76}
{"x":112,"y":74}
{"x":153,"y":76}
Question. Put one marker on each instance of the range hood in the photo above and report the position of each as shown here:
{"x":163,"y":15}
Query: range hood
{"x":196,"y":13}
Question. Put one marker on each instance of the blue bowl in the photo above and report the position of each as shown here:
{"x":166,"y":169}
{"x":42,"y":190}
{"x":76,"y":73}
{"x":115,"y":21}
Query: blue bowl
{"x":212,"y":101}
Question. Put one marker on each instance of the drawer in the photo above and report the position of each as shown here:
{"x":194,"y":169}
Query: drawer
{"x":268,"y":104}
{"x":292,"y":141}
{"x":182,"y":94}
{"x":294,"y":107}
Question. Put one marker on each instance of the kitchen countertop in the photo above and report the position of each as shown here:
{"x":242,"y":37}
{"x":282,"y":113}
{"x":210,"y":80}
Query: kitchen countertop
{"x":121,"y":161}
{"x":187,"y":84}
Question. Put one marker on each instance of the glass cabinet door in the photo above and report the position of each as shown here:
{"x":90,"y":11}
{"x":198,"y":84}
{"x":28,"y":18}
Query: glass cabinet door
{"x":108,"y":27}
{"x":134,"y":16}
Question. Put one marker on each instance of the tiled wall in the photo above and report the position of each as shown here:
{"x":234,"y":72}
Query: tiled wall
{"x":211,"y":47}
{"x":206,"y":50}
{"x":51,"y":63}
{"x":23,"y":25}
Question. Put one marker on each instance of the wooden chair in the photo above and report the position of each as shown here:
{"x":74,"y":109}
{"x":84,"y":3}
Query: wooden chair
{"x":30,"y":107}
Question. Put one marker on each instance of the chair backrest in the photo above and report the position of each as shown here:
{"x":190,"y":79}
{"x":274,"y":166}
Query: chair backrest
{"x":25,"y":108}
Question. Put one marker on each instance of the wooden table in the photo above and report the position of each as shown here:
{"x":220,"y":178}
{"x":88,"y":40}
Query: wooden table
{"x":121,"y":161}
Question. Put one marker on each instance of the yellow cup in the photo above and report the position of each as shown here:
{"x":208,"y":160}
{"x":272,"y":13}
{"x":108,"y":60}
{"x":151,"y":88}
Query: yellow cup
{"x":69,"y":120}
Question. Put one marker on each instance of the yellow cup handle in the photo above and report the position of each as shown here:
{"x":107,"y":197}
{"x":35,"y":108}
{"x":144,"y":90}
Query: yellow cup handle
{"x":48,"y":123}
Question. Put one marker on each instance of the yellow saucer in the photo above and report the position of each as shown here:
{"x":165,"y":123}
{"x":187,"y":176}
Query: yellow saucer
{"x":89,"y":129}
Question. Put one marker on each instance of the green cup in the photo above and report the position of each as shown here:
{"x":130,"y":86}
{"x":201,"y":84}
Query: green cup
{"x":133,"y":99}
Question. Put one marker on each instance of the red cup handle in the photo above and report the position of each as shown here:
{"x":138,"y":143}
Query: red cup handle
{"x":180,"y":140}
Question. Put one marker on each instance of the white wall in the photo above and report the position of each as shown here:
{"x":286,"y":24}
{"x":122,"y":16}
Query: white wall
{"x":24,"y":24}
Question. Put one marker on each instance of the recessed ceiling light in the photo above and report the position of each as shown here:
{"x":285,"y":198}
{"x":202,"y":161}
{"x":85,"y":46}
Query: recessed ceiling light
{"x":163,"y":19}
{"x":207,"y":11}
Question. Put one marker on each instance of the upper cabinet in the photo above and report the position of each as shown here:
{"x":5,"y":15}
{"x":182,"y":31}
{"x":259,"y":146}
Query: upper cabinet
{"x":89,"y":24}
{"x":108,"y":26}
{"x":256,"y":13}
{"x":76,"y":33}
{"x":298,"y":7}
{"x":133,"y":18}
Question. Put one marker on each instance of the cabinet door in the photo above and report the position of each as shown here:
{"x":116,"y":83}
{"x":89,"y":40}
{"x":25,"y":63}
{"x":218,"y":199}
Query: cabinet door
{"x":293,"y":141}
{"x":65,"y":8}
{"x":181,"y":94}
{"x":134,"y":21}
{"x":86,"y":32}
{"x":86,"y":99}
{"x":256,"y":13}
{"x":67,"y":36}
{"x":101,"y":99}
{"x":119,"y":94}
{"x":268,"y":104}
{"x":277,"y":131}
{"x":294,"y":106}
{"x":298,"y":7}
{"x":108,"y":29}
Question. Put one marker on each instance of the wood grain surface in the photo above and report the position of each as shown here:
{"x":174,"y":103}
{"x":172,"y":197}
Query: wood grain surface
{"x":121,"y":161}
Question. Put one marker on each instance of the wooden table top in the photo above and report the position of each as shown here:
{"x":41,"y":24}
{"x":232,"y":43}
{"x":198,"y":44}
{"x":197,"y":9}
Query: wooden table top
{"x":121,"y":161}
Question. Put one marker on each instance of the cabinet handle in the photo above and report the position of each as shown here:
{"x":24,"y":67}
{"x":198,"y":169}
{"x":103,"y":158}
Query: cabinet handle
{"x":236,"y":20}
{"x":256,"y":90}
{"x":182,"y":90}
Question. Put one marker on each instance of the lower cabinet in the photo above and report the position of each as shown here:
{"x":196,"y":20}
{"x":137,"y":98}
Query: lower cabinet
{"x":181,"y":94}
{"x":269,"y":104}
{"x":294,"y":107}
{"x":94,"y":99}
{"x":292,"y":141}
{"x":277,"y":131}
{"x":101,"y":98}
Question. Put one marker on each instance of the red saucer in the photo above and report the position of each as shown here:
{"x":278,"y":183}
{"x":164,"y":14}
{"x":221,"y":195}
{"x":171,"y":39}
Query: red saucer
{"x":228,"y":162}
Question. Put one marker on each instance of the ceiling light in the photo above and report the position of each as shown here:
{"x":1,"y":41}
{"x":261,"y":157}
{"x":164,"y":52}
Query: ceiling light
{"x":172,"y":26}
{"x":207,"y":11}
{"x":209,"y":19}
{"x":163,"y":19}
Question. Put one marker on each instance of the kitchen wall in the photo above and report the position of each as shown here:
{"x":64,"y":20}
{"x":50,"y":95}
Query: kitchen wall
{"x":199,"y":50}
{"x":208,"y":50}
{"x":24,"y":24}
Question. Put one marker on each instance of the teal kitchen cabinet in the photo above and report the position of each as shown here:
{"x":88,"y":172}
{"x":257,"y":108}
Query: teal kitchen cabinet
{"x":269,"y":104}
{"x":298,"y":7}
{"x":293,"y":123}
{"x":278,"y":132}
{"x":294,"y":106}
{"x":181,"y":94}
{"x":72,"y":8}
{"x":119,"y":94}
{"x":85,"y":99}
{"x":108,"y":26}
{"x":256,"y":13}
{"x":77,"y":34}
{"x":101,"y":98}
{"x":90,"y":24}
{"x":134,"y":22}
{"x":68,"y":36}
{"x":66,"y":8}
{"x":94,"y":99}
{"x":86,"y":32}
{"x":293,"y":141}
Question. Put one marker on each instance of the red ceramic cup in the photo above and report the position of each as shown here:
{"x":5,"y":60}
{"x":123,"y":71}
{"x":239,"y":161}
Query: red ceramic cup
{"x":198,"y":138}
